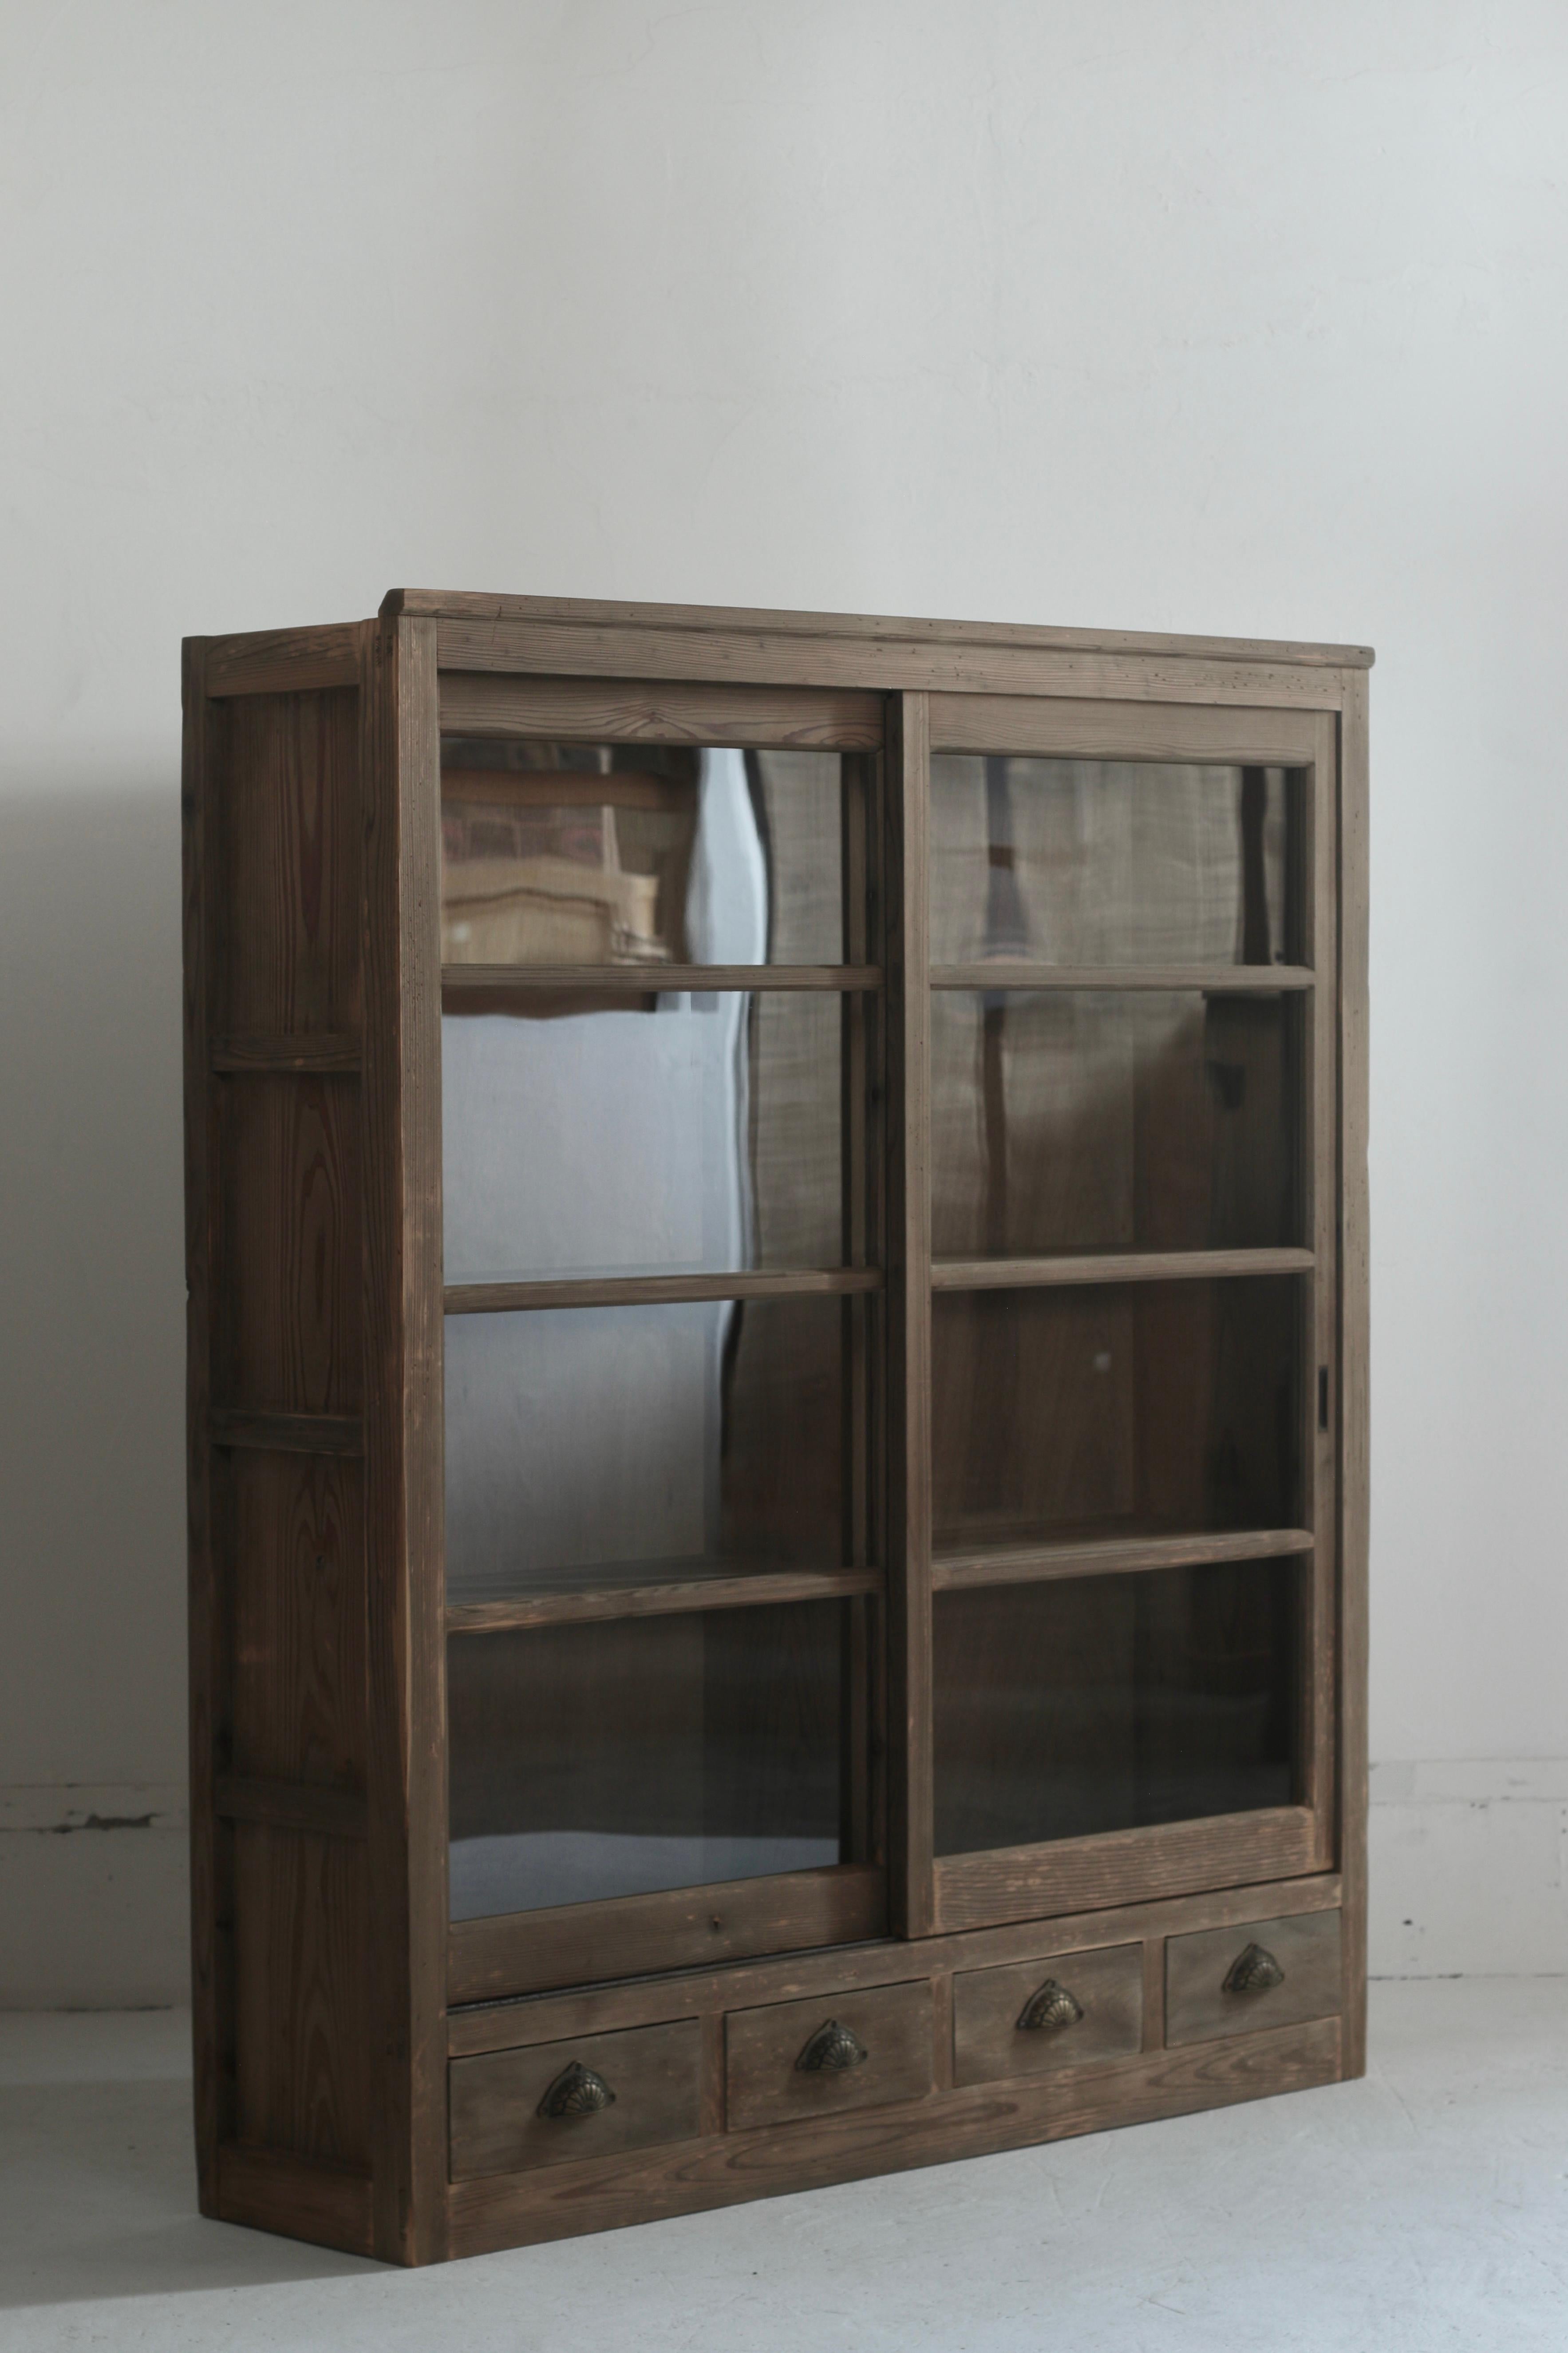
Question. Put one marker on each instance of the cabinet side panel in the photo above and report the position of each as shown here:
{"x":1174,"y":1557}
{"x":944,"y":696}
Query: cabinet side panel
{"x":290,"y":1340}
{"x":280,"y":1915}
{"x":290,"y":864}
{"x":301,"y":2037}
{"x":297,"y":1526}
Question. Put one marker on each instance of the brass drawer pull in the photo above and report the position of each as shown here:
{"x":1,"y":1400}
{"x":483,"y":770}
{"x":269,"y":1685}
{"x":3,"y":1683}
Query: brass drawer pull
{"x":1050,"y":2011}
{"x":1254,"y":1971}
{"x":831,"y":2048}
{"x":577,"y":2092}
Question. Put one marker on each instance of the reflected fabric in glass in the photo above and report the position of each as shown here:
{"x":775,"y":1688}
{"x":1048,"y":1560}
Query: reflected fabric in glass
{"x":590,"y":1761}
{"x":1080,"y":1120}
{"x":1111,"y":862}
{"x":1115,"y":1409}
{"x":1103,"y":1704}
{"x":583,"y":1443}
{"x":700,"y":1136}
{"x":638,"y":855}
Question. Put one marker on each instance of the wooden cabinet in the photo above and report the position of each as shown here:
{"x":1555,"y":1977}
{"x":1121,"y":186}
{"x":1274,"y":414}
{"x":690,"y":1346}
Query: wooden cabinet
{"x":777,"y":1310}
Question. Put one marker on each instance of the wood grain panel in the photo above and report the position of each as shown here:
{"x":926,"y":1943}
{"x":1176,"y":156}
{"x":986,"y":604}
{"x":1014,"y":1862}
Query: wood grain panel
{"x":287,"y":781}
{"x":636,"y":711}
{"x":1065,"y":727}
{"x":289,"y":1433}
{"x":443,"y":604}
{"x":652,"y":2074}
{"x":541,"y":2018}
{"x":764,"y":2085}
{"x":1197,"y":2006}
{"x":291,"y":1176}
{"x":1122,"y":1866}
{"x":580,"y":1943}
{"x":880,"y":665}
{"x":303,"y":2053}
{"x":521,"y":2210}
{"x":320,"y":1808}
{"x":988,"y":2043}
{"x":297,"y":1528}
{"x":272,"y":2190}
{"x":285,"y":662}
{"x":322,"y":1050}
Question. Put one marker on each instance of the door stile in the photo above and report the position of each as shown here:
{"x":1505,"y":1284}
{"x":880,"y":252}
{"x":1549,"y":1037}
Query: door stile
{"x":407,"y":1764}
{"x":907,"y":962}
{"x":1355,"y":1494}
{"x":1320,"y":1378}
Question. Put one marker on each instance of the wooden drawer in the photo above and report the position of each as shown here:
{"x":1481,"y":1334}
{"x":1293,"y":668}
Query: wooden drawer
{"x":649,"y":2072}
{"x":1203,"y":2000}
{"x":772,"y":2075}
{"x":990,"y":2039}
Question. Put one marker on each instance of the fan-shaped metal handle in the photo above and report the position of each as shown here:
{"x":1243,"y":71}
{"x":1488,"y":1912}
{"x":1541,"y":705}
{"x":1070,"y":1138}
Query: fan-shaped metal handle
{"x":1050,"y":2011}
{"x":832,"y":2049}
{"x":577,"y":2092}
{"x":1254,"y":1971}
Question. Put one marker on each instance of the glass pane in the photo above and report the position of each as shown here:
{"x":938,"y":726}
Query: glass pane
{"x":585,"y":1444}
{"x":701,"y":1136}
{"x":1083,"y":1121}
{"x":597,"y":1760}
{"x":1114,"y":1409}
{"x":1113,"y":861}
{"x":639,"y":854}
{"x":1103,"y":1703}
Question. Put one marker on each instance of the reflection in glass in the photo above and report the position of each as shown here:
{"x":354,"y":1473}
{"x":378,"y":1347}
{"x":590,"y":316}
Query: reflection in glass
{"x":1104,"y":1703}
{"x":1114,"y":1409}
{"x":1113,"y":862}
{"x":1084,"y":1121}
{"x":590,"y":1761}
{"x":702,"y":1136}
{"x":588,"y":1445}
{"x":638,"y":855}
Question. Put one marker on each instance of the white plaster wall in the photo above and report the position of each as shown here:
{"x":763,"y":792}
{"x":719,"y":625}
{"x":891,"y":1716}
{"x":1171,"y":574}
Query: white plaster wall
{"x":1215,"y":317}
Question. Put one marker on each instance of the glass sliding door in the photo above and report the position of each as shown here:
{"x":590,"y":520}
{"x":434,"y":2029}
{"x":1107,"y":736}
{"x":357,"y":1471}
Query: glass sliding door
{"x":661,"y":1041}
{"x":1131,"y":1293}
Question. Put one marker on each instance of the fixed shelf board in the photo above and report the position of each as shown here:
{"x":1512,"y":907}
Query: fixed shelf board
{"x":1119,"y":1266}
{"x":650,"y":1595}
{"x":651,"y":979}
{"x":1108,"y":1557}
{"x":1229,"y":979}
{"x":658,"y":1290}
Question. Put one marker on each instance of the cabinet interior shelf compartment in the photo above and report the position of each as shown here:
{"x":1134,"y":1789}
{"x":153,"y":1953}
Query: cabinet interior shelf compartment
{"x":777,"y":1328}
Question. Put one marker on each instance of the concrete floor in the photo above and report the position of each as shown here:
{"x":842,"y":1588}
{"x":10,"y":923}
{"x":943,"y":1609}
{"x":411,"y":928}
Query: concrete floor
{"x":1424,"y":2208}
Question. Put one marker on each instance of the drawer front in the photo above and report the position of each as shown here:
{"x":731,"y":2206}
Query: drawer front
{"x":1218,"y":1984}
{"x":601,"y":2094}
{"x":990,"y":2037}
{"x":779,"y":2061}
